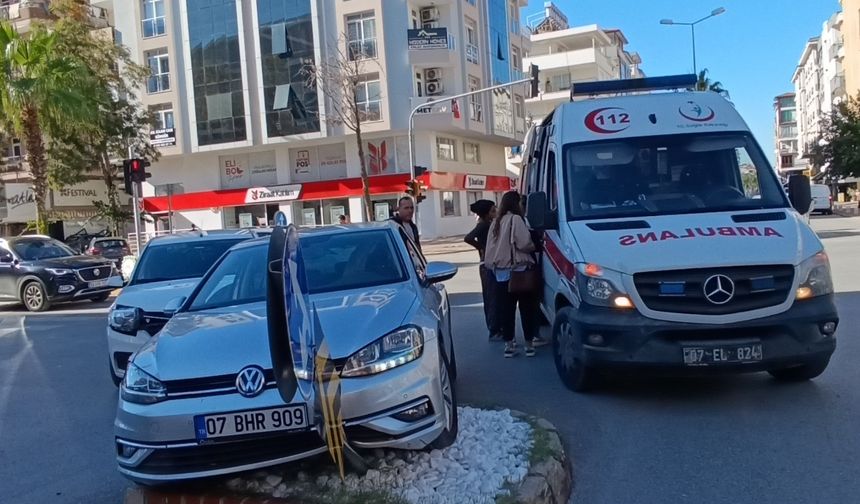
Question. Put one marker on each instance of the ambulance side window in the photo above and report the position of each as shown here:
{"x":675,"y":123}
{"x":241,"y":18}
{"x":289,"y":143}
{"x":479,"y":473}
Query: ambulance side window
{"x":532,"y":174}
{"x":551,"y":183}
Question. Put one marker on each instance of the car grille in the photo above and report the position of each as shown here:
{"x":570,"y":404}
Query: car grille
{"x":682,"y":291}
{"x":153,"y":322}
{"x":224,"y":384}
{"x":210,"y":457}
{"x":89,"y":274}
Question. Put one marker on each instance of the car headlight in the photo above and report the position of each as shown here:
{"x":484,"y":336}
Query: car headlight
{"x":392,"y":350}
{"x":140,"y":387}
{"x":124,"y":319}
{"x":59,"y":271}
{"x":815,"y":277}
{"x":597,"y":290}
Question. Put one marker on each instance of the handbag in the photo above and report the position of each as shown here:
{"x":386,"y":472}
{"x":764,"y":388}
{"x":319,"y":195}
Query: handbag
{"x":526,"y":281}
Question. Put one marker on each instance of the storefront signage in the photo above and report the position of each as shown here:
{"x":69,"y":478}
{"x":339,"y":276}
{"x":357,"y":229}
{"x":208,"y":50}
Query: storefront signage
{"x":165,"y":137}
{"x":83,"y":194}
{"x":476,"y":182}
{"x":326,"y":162}
{"x":427,"y":39}
{"x":248,"y":170}
{"x":20,"y":203}
{"x":303,"y":162}
{"x":271,"y":194}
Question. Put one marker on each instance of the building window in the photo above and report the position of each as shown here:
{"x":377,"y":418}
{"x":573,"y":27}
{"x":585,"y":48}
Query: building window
{"x":471,"y":152}
{"x":13,"y":149}
{"x":473,"y":2}
{"x":159,"y":67}
{"x":153,"y":18}
{"x":163,"y":115}
{"x":519,"y":107}
{"x":475,"y":100}
{"x":473,"y":196}
{"x":216,"y":69}
{"x":787,"y":161}
{"x":446,"y":149}
{"x":472,"y":45}
{"x":515,"y":58}
{"x":787,"y":116}
{"x":559,"y":82}
{"x":450,"y":203}
{"x":361,"y":36}
{"x":368,"y":99}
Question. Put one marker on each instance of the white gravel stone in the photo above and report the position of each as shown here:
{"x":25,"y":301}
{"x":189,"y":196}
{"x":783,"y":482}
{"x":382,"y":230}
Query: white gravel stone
{"x":491,"y":450}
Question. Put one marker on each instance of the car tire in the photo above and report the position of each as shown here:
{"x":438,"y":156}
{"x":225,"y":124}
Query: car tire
{"x":567,"y":353}
{"x":116,"y":379}
{"x":808,"y":371}
{"x":100,"y":298}
{"x":34,"y":297}
{"x":449,"y":396}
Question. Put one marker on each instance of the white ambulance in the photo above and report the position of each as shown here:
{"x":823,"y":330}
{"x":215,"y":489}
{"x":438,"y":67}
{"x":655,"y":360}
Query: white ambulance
{"x":670,"y":243}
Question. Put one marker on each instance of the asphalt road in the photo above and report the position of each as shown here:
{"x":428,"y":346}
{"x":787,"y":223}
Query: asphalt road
{"x":717,"y":440}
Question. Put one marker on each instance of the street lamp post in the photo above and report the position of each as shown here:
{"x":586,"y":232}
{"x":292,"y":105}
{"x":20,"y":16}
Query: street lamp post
{"x":692,"y":25}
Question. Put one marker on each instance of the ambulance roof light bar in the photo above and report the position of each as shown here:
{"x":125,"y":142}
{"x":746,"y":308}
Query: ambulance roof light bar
{"x":644,"y":84}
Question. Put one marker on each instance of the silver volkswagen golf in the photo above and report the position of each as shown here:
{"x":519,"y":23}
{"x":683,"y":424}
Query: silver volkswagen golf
{"x":201,"y":399}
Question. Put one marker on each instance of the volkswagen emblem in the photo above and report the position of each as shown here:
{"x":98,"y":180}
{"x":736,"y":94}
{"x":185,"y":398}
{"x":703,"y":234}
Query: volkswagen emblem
{"x":250,"y":381}
{"x":97,"y":272}
{"x":719,"y":289}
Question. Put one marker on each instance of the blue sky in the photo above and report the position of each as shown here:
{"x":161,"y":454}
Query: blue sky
{"x":752,"y":49}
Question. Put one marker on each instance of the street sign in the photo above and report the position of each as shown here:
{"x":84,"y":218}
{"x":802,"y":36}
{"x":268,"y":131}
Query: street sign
{"x":427,"y":39}
{"x":280,"y":218}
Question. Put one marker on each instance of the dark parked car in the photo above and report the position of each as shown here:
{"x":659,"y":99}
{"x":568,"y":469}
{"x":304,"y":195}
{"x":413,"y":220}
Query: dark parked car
{"x":109,"y":248}
{"x":39,"y":271}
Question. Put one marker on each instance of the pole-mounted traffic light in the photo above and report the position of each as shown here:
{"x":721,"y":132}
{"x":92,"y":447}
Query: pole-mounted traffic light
{"x":420,"y":170}
{"x":534,"y":74}
{"x":134,"y":172}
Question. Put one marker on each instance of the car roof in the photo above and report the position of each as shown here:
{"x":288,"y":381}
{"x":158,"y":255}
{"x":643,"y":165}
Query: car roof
{"x":321,"y":231}
{"x":13,"y":239}
{"x":194,"y":236}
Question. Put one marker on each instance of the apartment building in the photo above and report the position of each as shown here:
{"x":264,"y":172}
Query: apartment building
{"x":851,"y":35}
{"x":809,"y":96}
{"x":243,"y":132}
{"x":785,"y":132}
{"x":71,"y":207}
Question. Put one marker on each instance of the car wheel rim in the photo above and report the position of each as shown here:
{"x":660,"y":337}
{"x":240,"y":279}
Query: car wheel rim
{"x":447,"y":397}
{"x":566,"y":346}
{"x":33,"y":296}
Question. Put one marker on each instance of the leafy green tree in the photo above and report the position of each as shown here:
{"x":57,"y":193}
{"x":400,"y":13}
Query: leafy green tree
{"x":706,"y":84}
{"x":43,"y":90}
{"x":838,"y":147}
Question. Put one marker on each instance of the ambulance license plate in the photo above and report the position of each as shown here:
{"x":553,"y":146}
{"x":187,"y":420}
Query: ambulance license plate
{"x":728,"y":354}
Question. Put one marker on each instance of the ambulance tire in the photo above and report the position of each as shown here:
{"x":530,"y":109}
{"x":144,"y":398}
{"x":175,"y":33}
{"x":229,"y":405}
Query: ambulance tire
{"x":567,"y":353}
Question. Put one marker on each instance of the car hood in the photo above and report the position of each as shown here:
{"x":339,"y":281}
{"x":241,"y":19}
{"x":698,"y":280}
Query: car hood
{"x":77,"y":261}
{"x":152,"y":297}
{"x":223,"y":341}
{"x":695,"y":240}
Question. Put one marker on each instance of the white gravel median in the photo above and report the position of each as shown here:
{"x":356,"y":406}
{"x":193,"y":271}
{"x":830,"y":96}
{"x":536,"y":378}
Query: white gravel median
{"x":491,"y":453}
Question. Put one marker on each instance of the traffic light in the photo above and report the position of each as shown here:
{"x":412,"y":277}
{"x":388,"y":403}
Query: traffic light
{"x":420,"y":170}
{"x":134,"y":171}
{"x":534,"y":74}
{"x":411,"y":188}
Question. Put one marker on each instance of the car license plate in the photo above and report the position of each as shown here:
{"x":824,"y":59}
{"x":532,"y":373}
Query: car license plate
{"x":729,"y":354}
{"x":98,"y":283}
{"x":242,"y":423}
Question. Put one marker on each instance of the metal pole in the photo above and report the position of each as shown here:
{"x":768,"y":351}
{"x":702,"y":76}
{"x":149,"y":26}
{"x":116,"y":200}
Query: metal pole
{"x":135,"y":190}
{"x":693,"y":31}
{"x":170,"y":208}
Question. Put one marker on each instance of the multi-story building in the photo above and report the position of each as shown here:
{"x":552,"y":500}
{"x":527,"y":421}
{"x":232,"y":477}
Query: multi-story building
{"x":566,"y":55}
{"x":244,"y":133}
{"x":809,"y":96}
{"x":69,"y":208}
{"x":785,"y":132}
{"x":851,"y":36}
{"x":832,"y":57}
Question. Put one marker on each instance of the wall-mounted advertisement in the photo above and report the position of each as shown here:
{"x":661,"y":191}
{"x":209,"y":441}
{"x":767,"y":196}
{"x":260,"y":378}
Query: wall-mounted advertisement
{"x":248,"y":170}
{"x":311,"y":164}
{"x":20,"y":203}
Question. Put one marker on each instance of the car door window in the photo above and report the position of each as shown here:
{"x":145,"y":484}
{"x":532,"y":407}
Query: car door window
{"x":418,"y":260}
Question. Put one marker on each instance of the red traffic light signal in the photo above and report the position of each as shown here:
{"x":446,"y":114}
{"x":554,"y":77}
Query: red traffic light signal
{"x":137,"y":169}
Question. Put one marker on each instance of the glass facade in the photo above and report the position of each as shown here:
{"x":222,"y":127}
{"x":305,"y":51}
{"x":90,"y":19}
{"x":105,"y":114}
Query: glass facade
{"x":499,"y":41}
{"x":216,"y":67}
{"x":286,"y":46}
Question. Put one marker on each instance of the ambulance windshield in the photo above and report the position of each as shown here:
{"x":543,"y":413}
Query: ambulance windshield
{"x":673,"y":174}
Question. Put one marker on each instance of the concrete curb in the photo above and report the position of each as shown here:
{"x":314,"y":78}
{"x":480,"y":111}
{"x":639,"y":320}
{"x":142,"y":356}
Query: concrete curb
{"x":847,"y":211}
{"x":138,"y":495}
{"x":549,"y":481}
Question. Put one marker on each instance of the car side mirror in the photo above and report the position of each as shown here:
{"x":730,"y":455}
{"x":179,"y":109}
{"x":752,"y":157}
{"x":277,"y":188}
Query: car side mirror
{"x":800,"y":193}
{"x":174,"y":305}
{"x":440,"y":271}
{"x":538,"y":213}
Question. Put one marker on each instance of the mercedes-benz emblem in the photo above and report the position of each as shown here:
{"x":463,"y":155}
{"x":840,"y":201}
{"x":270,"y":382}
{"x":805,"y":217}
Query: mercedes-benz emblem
{"x":97,"y":272}
{"x":250,"y":381}
{"x":719,"y":289}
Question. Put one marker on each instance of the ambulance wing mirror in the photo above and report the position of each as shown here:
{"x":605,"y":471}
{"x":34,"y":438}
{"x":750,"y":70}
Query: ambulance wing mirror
{"x":538,"y":213}
{"x":800,"y":193}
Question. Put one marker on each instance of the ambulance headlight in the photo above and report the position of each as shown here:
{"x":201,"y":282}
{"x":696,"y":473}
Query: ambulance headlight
{"x":815,"y":277}
{"x":599,"y":290}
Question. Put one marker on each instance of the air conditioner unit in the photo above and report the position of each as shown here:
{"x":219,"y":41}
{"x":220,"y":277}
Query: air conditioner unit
{"x":431,"y":74}
{"x":434,"y":88}
{"x":429,"y":14}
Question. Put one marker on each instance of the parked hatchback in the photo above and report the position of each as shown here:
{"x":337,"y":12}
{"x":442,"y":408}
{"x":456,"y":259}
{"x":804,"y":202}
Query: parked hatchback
{"x":39,"y":271}
{"x":109,"y":248}
{"x":169,"y":266}
{"x":201,"y":398}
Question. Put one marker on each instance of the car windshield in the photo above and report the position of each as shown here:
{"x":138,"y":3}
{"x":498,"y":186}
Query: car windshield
{"x":343,"y":261}
{"x":238,"y":279}
{"x":671,"y":174}
{"x":40,"y":248}
{"x":176,"y":261}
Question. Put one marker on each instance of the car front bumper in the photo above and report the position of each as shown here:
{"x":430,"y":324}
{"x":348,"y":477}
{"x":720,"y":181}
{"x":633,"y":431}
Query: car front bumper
{"x":156,"y":443}
{"x":631,"y":340}
{"x":72,"y":288}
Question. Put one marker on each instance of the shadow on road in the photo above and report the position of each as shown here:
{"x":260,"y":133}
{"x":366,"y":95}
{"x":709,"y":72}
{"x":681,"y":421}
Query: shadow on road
{"x":74,"y":308}
{"x":838,"y":233}
{"x":466,"y":299}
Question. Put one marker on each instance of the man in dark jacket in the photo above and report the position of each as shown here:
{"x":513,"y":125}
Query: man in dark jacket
{"x":486,"y":212}
{"x":405,"y":212}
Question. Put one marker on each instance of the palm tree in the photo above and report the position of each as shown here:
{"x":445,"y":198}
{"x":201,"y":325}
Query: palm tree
{"x":41,"y":91}
{"x":706,"y":84}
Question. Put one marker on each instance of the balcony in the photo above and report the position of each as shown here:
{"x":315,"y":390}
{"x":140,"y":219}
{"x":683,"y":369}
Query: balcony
{"x":837,"y":85}
{"x":25,"y":10}
{"x":568,"y":59}
{"x":440,"y":117}
{"x":436,"y":55}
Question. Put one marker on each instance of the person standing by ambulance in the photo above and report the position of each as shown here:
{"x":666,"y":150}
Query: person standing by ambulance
{"x":486,"y":212}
